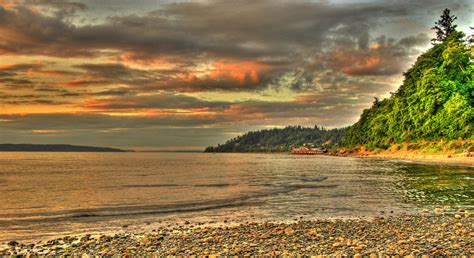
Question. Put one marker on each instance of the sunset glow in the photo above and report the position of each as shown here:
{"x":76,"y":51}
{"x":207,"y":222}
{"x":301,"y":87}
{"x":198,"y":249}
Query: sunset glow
{"x":219,"y":66}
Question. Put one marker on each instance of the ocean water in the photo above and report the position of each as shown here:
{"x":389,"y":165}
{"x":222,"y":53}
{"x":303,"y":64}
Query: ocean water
{"x":55,"y":194}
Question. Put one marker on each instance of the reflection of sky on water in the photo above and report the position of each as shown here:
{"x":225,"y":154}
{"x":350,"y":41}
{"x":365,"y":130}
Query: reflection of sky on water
{"x":65,"y":193}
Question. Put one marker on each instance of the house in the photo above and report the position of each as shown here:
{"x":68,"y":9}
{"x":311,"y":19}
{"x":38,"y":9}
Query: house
{"x":308,"y":151}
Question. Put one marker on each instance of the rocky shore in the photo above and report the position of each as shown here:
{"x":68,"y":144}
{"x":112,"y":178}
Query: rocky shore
{"x":431,"y":233}
{"x":449,"y":158}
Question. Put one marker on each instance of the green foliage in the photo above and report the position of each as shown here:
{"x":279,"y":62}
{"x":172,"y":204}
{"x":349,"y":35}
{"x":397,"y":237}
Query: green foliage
{"x":444,"y":26}
{"x":435,"y":101}
{"x":433,"y":106}
{"x":281,"y":140}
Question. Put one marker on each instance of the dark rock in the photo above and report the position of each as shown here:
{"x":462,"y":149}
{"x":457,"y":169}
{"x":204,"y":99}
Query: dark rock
{"x":13,"y":243}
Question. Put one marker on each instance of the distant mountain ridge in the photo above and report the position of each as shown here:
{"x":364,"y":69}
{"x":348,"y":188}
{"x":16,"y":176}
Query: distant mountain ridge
{"x":55,"y":148}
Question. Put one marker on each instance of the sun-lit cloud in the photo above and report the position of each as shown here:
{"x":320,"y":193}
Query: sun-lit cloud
{"x":47,"y":131}
{"x":193,"y":73}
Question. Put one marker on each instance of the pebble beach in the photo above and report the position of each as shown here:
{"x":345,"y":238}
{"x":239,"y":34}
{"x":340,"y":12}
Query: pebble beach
{"x":428,"y":233}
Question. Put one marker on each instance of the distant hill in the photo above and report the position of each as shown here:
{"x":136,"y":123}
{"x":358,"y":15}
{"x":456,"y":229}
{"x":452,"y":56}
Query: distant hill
{"x":281,"y":140}
{"x":55,"y":148}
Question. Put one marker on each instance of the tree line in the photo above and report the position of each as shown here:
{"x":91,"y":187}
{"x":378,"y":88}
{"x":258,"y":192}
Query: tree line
{"x":281,"y":140}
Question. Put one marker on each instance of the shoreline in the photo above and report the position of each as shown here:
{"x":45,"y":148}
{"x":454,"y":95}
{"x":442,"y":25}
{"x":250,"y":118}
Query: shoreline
{"x":432,"y":233}
{"x":409,"y":157}
{"x":426,"y":160}
{"x":418,"y":158}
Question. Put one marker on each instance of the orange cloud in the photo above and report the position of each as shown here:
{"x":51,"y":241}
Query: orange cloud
{"x":243,"y":72}
{"x":189,"y":77}
{"x":308,"y":99}
{"x":7,"y":66}
{"x":245,"y":111}
{"x":7,"y":4}
{"x":203,"y":109}
{"x":376,"y":60}
{"x":47,"y":131}
{"x":240,"y":72}
{"x":370,"y":63}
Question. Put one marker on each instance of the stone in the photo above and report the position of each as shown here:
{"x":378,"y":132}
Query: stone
{"x":289,"y":231}
{"x":13,"y":243}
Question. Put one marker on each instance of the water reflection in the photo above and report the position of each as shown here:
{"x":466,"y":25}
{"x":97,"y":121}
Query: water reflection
{"x":426,"y":185}
{"x":58,"y":193}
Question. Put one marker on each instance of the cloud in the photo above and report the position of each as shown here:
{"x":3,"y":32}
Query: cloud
{"x":246,"y":49}
{"x":216,"y":28}
{"x":48,"y":131}
{"x":193,"y":72}
{"x":385,"y":56}
{"x":158,"y":101}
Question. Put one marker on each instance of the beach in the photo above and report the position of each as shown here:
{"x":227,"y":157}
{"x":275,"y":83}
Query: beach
{"x":427,"y":159}
{"x":451,"y":159}
{"x":448,"y":232}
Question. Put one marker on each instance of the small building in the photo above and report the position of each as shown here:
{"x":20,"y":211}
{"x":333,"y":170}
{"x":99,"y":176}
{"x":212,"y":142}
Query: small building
{"x":308,"y":151}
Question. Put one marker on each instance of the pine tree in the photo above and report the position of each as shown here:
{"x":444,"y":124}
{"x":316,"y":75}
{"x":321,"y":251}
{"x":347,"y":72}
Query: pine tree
{"x":444,"y":26}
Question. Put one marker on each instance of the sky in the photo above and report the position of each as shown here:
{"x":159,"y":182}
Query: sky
{"x":150,"y":74}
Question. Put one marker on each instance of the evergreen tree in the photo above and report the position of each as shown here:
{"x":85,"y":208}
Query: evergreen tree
{"x":444,"y":26}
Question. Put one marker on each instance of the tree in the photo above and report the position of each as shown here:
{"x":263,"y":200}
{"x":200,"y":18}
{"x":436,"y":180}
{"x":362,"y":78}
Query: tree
{"x":435,"y":101}
{"x":444,"y":26}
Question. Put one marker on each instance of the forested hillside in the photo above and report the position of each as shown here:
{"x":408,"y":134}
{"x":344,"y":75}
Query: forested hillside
{"x":279,"y":140}
{"x":435,"y":101}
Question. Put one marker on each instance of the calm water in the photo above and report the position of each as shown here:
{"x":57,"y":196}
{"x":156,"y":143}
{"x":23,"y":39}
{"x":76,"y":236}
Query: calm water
{"x":50,"y":194}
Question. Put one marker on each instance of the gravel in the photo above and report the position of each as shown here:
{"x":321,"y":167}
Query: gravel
{"x":427,"y":233}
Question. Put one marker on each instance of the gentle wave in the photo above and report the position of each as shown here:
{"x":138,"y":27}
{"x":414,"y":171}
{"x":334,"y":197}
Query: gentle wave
{"x":173,"y":185}
{"x":250,"y":199}
{"x":314,"y":179}
{"x":149,"y":186}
